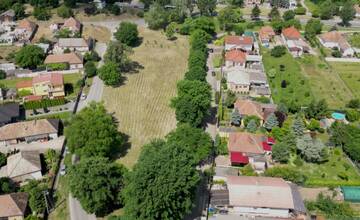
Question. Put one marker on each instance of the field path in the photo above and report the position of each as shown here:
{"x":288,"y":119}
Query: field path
{"x":141,"y":105}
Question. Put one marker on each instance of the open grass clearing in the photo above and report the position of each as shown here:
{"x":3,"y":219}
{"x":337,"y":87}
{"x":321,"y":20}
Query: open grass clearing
{"x":350,"y":74}
{"x":5,"y":51}
{"x":297,"y":88}
{"x":142,"y":104}
{"x":324,"y":82}
{"x":101,"y":34}
{"x":11,"y":83}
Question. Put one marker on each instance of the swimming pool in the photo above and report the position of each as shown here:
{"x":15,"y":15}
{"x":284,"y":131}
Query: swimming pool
{"x":338,"y":116}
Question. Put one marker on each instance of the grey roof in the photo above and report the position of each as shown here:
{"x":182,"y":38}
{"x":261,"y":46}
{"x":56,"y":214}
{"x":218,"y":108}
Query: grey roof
{"x":257,"y":77}
{"x":226,"y":171}
{"x":219,"y":197}
{"x":8,"y":111}
{"x":262,"y":90}
{"x":238,"y":76}
{"x":22,"y":163}
{"x":298,"y":201}
{"x":9,"y":12}
{"x":72,"y":42}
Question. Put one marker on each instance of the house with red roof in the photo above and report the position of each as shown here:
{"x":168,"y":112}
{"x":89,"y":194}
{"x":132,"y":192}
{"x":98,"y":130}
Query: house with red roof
{"x":72,"y":24}
{"x":294,"y":42}
{"x":235,"y":58}
{"x":266,"y":34}
{"x":244,"y":43}
{"x":247,"y":148}
{"x":50,"y":85}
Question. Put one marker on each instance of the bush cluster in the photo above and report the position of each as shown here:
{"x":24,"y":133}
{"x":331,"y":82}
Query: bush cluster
{"x":45,"y":103}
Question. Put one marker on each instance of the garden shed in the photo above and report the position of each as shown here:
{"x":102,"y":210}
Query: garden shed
{"x":351,"y":193}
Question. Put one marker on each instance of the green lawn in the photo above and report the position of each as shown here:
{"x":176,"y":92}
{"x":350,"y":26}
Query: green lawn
{"x":297,"y":86}
{"x":350,"y":74}
{"x":11,"y":83}
{"x":312,"y":6}
{"x":324,"y":82}
{"x":330,"y":172}
{"x":217,"y":61}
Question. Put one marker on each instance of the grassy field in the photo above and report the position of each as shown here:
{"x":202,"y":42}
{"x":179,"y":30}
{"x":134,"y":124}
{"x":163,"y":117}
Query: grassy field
{"x":329,"y":171}
{"x":101,"y":34}
{"x":142,"y":104}
{"x":297,"y":86}
{"x":324,"y":82}
{"x":350,"y":74}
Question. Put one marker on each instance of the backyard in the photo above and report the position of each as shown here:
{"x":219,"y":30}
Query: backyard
{"x":287,"y":82}
{"x":324,"y":82}
{"x":349,"y":73}
{"x":141,"y":104}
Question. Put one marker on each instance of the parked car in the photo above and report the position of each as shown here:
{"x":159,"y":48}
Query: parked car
{"x":83,"y":96}
{"x":63,"y":170}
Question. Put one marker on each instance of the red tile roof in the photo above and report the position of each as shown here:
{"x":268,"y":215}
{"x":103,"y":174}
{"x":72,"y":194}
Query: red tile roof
{"x":235,"y":56}
{"x":27,"y":25}
{"x":266,"y":146}
{"x":238,"y":158}
{"x":72,"y":23}
{"x":54,"y":78}
{"x":24,"y":84}
{"x":266,"y":32}
{"x":237,"y":40}
{"x":291,"y":33}
{"x":245,"y":142}
{"x":33,"y":98}
{"x":271,"y":140}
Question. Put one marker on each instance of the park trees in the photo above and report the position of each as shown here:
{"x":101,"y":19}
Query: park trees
{"x":196,"y":73}
{"x":347,"y":13}
{"x":96,"y":183}
{"x":194,"y":140}
{"x":162,"y":183}
{"x":29,"y":56}
{"x":110,"y":74}
{"x":192,"y":103}
{"x":127,"y":33}
{"x":93,"y":132}
{"x":36,"y":195}
{"x":41,"y":14}
{"x":118,"y":53}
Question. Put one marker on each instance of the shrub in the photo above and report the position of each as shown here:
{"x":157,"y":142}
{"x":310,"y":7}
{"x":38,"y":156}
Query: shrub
{"x":41,"y":14}
{"x":58,"y":66}
{"x":300,"y":11}
{"x":247,"y":170}
{"x":352,"y":115}
{"x":287,"y":173}
{"x":331,"y":183}
{"x":64,"y":12}
{"x":298,"y":162}
{"x":278,"y":51}
{"x":45,"y":103}
{"x":336,"y":53}
{"x":127,"y":33}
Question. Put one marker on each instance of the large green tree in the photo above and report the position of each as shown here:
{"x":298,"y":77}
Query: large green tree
{"x":228,"y":17}
{"x":192,"y":103}
{"x":157,"y":17}
{"x":312,"y":28}
{"x":93,"y":132}
{"x":162,"y":184}
{"x":110,"y":74}
{"x":127,"y":33}
{"x":281,"y":152}
{"x":195,"y":140}
{"x":255,"y":12}
{"x":206,"y":7}
{"x":29,"y":56}
{"x":271,"y":122}
{"x":311,"y":150}
{"x":96,"y":183}
{"x":347,"y":13}
{"x":118,"y":53}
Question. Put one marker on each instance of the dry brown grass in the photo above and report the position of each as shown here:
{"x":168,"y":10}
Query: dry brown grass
{"x":5,"y":51}
{"x":101,"y":34}
{"x":142,"y":104}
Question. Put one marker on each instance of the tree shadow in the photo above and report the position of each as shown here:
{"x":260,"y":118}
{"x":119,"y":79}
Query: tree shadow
{"x":69,"y":88}
{"x":134,"y":67}
{"x":124,"y":145}
{"x":211,"y":117}
{"x":138,"y":42}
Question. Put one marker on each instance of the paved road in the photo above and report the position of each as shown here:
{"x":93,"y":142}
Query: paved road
{"x":77,"y":212}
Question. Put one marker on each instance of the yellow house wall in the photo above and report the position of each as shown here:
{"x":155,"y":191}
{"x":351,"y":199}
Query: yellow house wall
{"x":40,"y":89}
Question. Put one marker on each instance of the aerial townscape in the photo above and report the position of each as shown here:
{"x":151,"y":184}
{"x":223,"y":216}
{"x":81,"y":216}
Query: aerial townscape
{"x":179,"y":109}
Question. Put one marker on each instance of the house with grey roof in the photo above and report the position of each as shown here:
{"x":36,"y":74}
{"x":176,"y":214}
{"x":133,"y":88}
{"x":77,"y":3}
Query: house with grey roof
{"x":73,"y":44}
{"x":13,"y":206}
{"x":9,"y":112}
{"x":22,"y":166}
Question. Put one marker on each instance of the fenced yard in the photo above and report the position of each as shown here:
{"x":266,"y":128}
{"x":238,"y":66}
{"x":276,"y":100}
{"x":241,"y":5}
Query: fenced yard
{"x":350,"y":74}
{"x":141,"y":105}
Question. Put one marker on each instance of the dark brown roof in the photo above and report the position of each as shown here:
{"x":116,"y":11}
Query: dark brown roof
{"x":8,"y":111}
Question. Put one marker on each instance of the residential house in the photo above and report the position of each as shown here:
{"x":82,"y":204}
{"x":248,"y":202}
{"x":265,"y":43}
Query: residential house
{"x":75,"y":61}
{"x":7,"y":16}
{"x":248,"y":107}
{"x":335,"y":39}
{"x":8,"y":68}
{"x":50,"y":85}
{"x":13,"y":206}
{"x":72,"y":24}
{"x":266,"y":34}
{"x":244,"y":43}
{"x":73,"y":44}
{"x":243,"y":80}
{"x":29,"y":131}
{"x":251,"y":197}
{"x":294,"y":42}
{"x":22,"y":166}
{"x":235,"y":58}
{"x":9,"y":113}
{"x":25,"y":30}
{"x":247,"y":148}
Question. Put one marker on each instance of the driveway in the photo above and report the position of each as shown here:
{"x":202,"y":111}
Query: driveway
{"x":77,"y":212}
{"x":42,"y":147}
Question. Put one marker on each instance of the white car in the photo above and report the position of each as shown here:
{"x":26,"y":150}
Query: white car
{"x":83,"y":96}
{"x":63,"y":170}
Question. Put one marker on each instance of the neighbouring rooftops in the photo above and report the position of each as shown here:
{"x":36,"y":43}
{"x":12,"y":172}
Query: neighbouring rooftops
{"x":291,"y":33}
{"x":22,"y":163}
{"x":71,"y":58}
{"x":13,"y":204}
{"x":239,"y":40}
{"x":8,"y":111}
{"x":72,"y":23}
{"x":235,"y":56}
{"x":72,"y":42}
{"x":246,"y":142}
{"x":54,"y":78}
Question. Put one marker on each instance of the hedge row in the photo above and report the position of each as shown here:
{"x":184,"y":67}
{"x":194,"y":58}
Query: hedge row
{"x":331,"y":183}
{"x":45,"y":103}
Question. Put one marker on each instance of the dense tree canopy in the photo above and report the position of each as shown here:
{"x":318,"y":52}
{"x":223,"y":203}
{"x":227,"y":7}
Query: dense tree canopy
{"x":312,"y":28}
{"x":162,"y":184}
{"x":347,"y":13}
{"x":206,"y":7}
{"x":195,"y":140}
{"x":110,"y":74}
{"x":311,"y":150}
{"x":29,"y":56}
{"x":127,"y":33}
{"x":118,"y":53}
{"x":96,"y":183}
{"x":281,"y":152}
{"x":156,"y":17}
{"x":192,"y":103}
{"x":93,"y":132}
